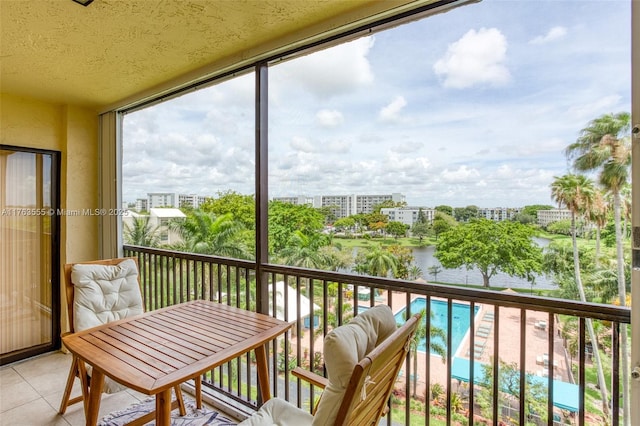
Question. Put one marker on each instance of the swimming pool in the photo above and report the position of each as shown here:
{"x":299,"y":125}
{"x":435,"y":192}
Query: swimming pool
{"x":439,"y":313}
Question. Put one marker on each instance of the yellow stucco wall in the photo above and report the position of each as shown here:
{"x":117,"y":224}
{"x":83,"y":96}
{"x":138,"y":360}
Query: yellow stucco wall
{"x":74,"y":133}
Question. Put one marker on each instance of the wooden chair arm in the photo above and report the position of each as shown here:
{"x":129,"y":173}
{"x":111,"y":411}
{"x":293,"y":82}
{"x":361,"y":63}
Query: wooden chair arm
{"x":310,"y":377}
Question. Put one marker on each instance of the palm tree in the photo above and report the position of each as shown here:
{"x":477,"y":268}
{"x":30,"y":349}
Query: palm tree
{"x":576,"y":192}
{"x":421,"y":335}
{"x":205,"y":233}
{"x":598,"y":214}
{"x":303,"y":250}
{"x":380,"y":262}
{"x":605,"y":145}
{"x":140,"y":232}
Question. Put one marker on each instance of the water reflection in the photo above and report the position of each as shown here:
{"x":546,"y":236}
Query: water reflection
{"x":424,"y":259}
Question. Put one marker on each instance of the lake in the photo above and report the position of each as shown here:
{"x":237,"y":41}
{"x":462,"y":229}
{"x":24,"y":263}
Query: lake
{"x":424,"y":259}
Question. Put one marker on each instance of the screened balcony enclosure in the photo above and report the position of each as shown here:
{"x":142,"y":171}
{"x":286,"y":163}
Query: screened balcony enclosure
{"x":274,"y":157}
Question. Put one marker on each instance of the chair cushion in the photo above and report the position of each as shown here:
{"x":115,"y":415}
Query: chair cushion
{"x":344,"y":347}
{"x":278,"y":412}
{"x":105,"y":293}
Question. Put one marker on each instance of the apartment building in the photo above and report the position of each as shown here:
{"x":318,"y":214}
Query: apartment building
{"x":408,"y":215}
{"x":545,"y":217}
{"x":498,"y":214}
{"x":344,"y":205}
{"x":172,"y":199}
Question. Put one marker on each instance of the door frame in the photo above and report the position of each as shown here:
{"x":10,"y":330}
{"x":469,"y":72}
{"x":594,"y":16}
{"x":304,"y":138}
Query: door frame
{"x":55,"y":342}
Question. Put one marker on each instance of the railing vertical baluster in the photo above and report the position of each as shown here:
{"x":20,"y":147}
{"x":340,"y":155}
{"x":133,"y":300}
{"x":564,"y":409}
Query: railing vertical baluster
{"x":472,"y":358}
{"x":550,"y":367}
{"x":615,"y":373}
{"x":581,"y":371}
{"x":496,"y":365}
{"x":449,"y":356}
{"x":171,"y":277}
{"x":523,"y":363}
{"x":340,"y":303}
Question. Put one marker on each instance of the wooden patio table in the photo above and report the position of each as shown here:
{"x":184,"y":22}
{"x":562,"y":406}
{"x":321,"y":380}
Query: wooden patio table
{"x":157,"y":350}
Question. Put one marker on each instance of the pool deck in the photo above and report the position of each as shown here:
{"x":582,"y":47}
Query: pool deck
{"x":485,"y":329}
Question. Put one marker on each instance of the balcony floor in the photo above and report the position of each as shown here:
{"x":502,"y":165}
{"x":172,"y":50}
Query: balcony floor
{"x":30,"y":393}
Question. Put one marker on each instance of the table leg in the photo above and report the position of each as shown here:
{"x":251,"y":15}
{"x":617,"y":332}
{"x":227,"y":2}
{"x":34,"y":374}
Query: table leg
{"x":95,"y":394}
{"x":163,"y":408}
{"x":263,"y":373}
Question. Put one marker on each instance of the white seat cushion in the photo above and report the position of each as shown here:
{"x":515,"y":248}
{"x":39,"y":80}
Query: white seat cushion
{"x":344,"y":347}
{"x":278,"y":412}
{"x":105,"y":293}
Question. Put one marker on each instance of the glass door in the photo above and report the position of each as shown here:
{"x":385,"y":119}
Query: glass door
{"x":29,"y":247}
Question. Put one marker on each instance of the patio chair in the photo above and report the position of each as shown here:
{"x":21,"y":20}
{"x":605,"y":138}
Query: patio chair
{"x":362,"y":360}
{"x":99,"y":292}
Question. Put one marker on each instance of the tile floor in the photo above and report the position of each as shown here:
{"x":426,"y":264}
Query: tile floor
{"x":30,"y":393}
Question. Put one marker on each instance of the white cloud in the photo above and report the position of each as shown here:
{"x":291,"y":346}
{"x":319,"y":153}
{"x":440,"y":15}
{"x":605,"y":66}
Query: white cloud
{"x":329,"y":118}
{"x":462,"y":175}
{"x":586,"y":111}
{"x":340,"y":69}
{"x":302,"y":144}
{"x":391,"y":112}
{"x":554,"y":33}
{"x":476,"y":58}
{"x":408,"y":147}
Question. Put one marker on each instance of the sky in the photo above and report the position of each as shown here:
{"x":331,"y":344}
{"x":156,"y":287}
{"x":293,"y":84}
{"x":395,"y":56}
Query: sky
{"x":470,"y":107}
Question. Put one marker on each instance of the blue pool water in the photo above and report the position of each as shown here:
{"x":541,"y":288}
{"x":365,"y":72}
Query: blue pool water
{"x":439,"y":313}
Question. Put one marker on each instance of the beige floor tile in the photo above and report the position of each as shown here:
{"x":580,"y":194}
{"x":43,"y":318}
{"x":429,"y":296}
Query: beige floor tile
{"x":47,"y":374}
{"x":15,"y":392}
{"x":37,"y":412}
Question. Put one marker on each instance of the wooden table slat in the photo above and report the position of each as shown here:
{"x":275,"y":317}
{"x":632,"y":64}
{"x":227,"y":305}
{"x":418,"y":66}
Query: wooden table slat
{"x":180,"y":335}
{"x":149,"y":355}
{"x":157,"y":350}
{"x":141,"y":337}
{"x":120,"y":357}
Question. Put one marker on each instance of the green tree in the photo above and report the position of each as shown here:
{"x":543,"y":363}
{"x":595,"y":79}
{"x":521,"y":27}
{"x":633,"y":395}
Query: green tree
{"x":422,"y":218}
{"x":444,"y":209}
{"x":420,"y":230}
{"x":436,"y":335}
{"x":380,"y":262}
{"x":604,"y":145}
{"x":442,"y":222}
{"x":491,"y":247}
{"x":242,"y":207}
{"x":558,"y":262}
{"x":337,"y":258}
{"x":205,"y":233}
{"x":535,"y":392}
{"x":598,"y":214}
{"x":577,"y":192}
{"x":561,"y":227}
{"x":286,"y":218}
{"x":303,"y":250}
{"x":532,"y":209}
{"x":388,"y":204}
{"x":434,"y":270}
{"x":375,"y":218}
{"x":345,"y":224}
{"x":404,"y":260}
{"x":525,"y":219}
{"x":329,"y":213}
{"x":140,"y":232}
{"x":464,"y":214}
{"x":397,"y":229}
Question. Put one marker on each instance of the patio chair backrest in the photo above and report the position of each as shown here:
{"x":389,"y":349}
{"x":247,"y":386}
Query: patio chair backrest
{"x":363,"y":359}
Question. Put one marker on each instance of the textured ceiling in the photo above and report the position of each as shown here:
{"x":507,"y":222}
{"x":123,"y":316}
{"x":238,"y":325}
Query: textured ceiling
{"x":95,"y":56}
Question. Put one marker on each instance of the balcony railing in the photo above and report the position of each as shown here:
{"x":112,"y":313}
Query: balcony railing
{"x":501,"y":357}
